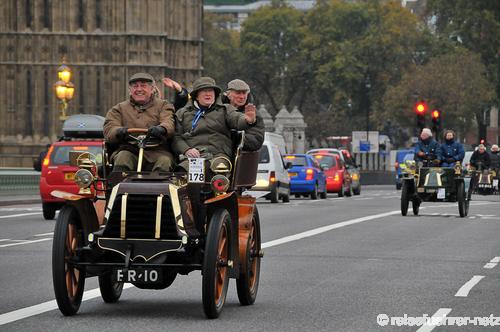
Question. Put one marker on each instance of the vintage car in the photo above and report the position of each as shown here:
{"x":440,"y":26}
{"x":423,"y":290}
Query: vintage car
{"x":485,"y":179}
{"x":158,"y":225}
{"x":424,"y":182}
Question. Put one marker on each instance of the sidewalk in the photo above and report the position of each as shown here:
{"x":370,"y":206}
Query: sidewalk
{"x":17,"y":197}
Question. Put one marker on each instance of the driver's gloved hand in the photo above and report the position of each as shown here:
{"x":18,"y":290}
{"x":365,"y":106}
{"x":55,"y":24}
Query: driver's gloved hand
{"x":157,"y":131}
{"x":122,"y":134}
{"x":450,"y":160}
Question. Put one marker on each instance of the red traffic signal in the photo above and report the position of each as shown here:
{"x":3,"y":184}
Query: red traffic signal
{"x":420,"y":108}
{"x":436,"y":114}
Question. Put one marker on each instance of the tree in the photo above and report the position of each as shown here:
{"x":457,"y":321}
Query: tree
{"x":455,"y":83}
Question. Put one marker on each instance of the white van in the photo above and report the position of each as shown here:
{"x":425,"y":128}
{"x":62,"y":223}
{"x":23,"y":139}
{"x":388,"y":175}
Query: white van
{"x":272,"y":174}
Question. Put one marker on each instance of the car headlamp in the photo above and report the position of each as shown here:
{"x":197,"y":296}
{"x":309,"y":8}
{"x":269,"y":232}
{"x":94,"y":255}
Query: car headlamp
{"x":220,"y":184}
{"x":411,"y":165}
{"x":458,"y":168}
{"x":83,"y":178}
{"x":221,"y":165}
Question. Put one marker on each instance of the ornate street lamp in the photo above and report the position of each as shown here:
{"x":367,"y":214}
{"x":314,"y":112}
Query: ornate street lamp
{"x":64,"y":89}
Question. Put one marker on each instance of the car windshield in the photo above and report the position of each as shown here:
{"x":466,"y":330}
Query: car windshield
{"x":264,"y":155}
{"x":325,"y":161}
{"x":409,"y":156}
{"x":60,"y":155}
{"x":296,"y":161}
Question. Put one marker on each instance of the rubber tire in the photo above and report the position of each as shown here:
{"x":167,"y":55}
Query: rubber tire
{"x":324,"y":194}
{"x":286,"y":198}
{"x":404,"y":200}
{"x":248,"y":293}
{"x":398,"y":186}
{"x":415,"y":207}
{"x":314,"y":193}
{"x":110,"y":290}
{"x":348,"y":193}
{"x":341,"y":192}
{"x":463,"y":204}
{"x":68,"y":305}
{"x":357,"y":191}
{"x":274,"y":195}
{"x":219,"y":224}
{"x":297,"y":196}
{"x":49,"y":211}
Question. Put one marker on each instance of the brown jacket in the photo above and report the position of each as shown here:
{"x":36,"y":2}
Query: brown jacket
{"x":213,"y":131}
{"x":126,"y":114}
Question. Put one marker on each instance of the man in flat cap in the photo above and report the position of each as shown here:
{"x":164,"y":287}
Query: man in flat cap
{"x":480,"y":159}
{"x":203,"y":126}
{"x":237,"y":94}
{"x":142,"y":110}
{"x":427,"y":148}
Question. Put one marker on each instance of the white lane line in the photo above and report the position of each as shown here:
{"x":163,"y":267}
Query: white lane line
{"x":20,"y":215}
{"x":465,"y":289}
{"x":324,"y":229}
{"x":3,"y":240}
{"x":44,"y":307}
{"x":37,"y":309}
{"x":24,"y":242}
{"x":494,"y":262}
{"x":436,"y":320}
{"x":44,"y":234}
{"x":362,"y":199}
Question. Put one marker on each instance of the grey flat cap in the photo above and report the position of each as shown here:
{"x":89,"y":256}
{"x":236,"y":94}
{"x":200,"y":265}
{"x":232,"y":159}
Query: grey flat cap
{"x":141,"y":77}
{"x":238,"y":85}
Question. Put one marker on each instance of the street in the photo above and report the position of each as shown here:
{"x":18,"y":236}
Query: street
{"x":340,"y":264}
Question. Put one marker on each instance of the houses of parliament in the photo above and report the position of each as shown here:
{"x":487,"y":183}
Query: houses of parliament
{"x":103,"y":42}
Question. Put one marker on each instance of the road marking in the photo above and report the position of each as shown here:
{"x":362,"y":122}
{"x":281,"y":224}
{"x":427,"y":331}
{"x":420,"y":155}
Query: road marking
{"x":37,"y":309}
{"x":19,"y":209}
{"x":46,"y":306}
{"x":465,"y":289}
{"x":24,"y":242}
{"x":324,"y":229}
{"x":3,"y":240}
{"x":437,"y":319}
{"x":19,"y":215}
{"x":44,"y":234}
{"x":494,"y":262}
{"x":363,"y":199}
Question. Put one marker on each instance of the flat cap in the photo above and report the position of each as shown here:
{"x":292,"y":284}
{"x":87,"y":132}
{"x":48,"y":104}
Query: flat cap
{"x":141,"y":77}
{"x":238,"y":85}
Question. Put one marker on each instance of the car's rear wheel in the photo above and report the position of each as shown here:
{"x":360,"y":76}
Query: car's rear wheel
{"x":215,"y":264}
{"x":248,"y":282}
{"x":314,"y":193}
{"x":463,"y":203}
{"x":415,"y":206}
{"x":110,"y":290}
{"x":348,"y":192}
{"x":357,"y":191}
{"x":341,"y":192}
{"x":404,"y":200}
{"x":49,"y":211}
{"x":68,"y":280}
{"x":274,"y":194}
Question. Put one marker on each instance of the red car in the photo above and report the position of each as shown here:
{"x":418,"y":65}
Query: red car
{"x":57,"y":174}
{"x":337,"y":177}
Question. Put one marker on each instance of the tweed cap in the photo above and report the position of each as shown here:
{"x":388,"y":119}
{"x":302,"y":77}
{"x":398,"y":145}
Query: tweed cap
{"x":238,"y":85}
{"x":141,"y":77}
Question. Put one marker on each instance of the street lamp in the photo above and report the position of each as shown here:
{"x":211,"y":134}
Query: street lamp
{"x":64,"y":89}
{"x":368,"y":86}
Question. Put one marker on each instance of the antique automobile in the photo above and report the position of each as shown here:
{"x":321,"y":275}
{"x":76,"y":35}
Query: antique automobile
{"x":426,"y":182}
{"x":159,"y":225}
{"x":485,"y":180}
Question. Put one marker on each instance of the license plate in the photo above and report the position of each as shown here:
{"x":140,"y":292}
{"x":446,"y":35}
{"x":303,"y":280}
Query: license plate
{"x":441,"y":193}
{"x":151,"y":276}
{"x":69,"y":176}
{"x":196,"y":170}
{"x":495,"y":182}
{"x":292,"y":174}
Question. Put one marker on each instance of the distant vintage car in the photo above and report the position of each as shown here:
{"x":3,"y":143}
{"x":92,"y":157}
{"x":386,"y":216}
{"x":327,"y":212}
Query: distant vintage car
{"x":158,"y":225}
{"x":83,"y":133}
{"x":400,"y":164}
{"x":306,"y":176}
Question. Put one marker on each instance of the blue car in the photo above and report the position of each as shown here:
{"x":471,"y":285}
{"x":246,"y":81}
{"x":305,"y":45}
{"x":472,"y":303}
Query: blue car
{"x":306,"y":176}
{"x":401,"y":157}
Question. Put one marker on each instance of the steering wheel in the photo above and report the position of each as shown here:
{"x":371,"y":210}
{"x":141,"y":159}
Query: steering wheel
{"x":138,"y":136}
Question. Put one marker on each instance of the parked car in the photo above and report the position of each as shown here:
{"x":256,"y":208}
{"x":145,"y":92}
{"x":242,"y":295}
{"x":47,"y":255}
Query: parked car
{"x":401,"y":157}
{"x":272,"y":174}
{"x":81,"y":133}
{"x":306,"y":176}
{"x":337,"y":178}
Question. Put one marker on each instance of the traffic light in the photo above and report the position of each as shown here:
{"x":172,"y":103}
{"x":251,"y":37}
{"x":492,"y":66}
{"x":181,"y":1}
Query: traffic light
{"x":436,"y":121}
{"x":420,"y":109}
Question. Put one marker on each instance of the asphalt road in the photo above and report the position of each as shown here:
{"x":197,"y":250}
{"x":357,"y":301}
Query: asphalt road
{"x":341,"y":264}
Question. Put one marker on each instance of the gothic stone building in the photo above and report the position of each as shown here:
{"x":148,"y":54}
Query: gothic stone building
{"x":103,"y":42}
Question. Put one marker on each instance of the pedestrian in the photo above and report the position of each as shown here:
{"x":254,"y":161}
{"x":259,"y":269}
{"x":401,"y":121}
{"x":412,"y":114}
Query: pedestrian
{"x":203,"y":126}
{"x":451,"y":150}
{"x":142,"y":110}
{"x":427,"y":149}
{"x":238,"y":95}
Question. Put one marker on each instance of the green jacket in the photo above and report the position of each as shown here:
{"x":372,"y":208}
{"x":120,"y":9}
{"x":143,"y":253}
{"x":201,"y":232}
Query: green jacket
{"x":212,"y":133}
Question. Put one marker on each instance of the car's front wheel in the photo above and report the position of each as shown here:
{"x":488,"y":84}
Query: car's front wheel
{"x":110,"y":290}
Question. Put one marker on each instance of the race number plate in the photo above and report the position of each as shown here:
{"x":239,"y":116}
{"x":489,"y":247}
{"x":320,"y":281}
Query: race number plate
{"x":139,"y":275}
{"x":196,"y":170}
{"x":495,"y":182}
{"x":441,"y":193}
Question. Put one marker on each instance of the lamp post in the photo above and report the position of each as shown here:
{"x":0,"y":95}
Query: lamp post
{"x":64,"y":89}
{"x":368,"y":86}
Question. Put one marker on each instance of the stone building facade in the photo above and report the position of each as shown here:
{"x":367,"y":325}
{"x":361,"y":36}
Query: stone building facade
{"x":103,"y":42}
